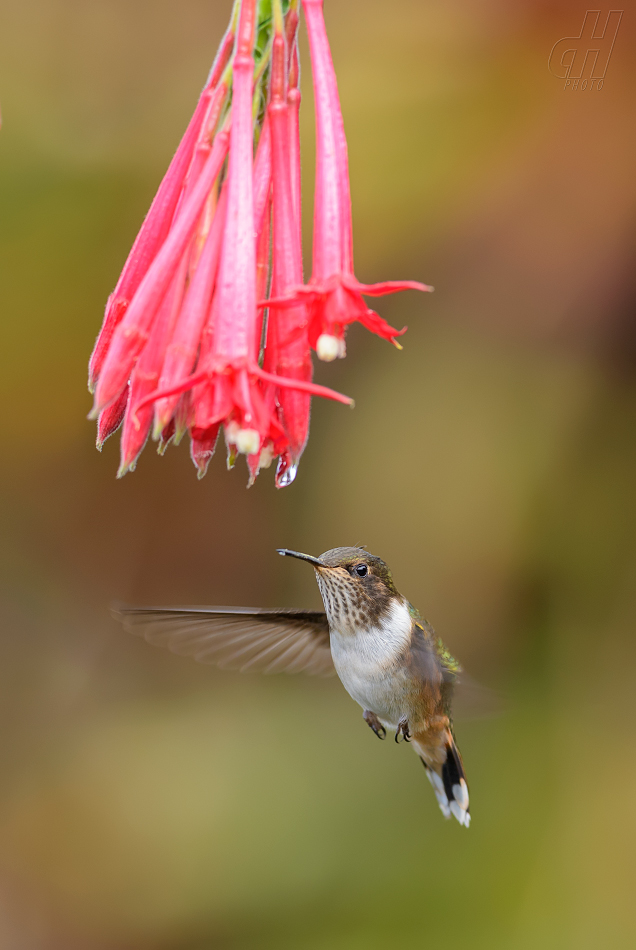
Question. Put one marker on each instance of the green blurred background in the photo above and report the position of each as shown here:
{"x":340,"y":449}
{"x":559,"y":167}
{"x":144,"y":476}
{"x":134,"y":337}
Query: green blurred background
{"x":150,"y":804}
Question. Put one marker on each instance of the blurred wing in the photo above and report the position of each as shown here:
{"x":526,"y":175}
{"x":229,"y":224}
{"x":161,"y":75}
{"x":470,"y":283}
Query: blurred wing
{"x":234,"y":638}
{"x":467,"y":698}
{"x":472,"y":700}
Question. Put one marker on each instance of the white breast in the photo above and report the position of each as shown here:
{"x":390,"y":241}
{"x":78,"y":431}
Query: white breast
{"x":367,"y":663}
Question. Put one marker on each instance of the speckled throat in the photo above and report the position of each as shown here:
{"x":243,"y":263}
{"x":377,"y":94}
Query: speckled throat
{"x":349,"y":607}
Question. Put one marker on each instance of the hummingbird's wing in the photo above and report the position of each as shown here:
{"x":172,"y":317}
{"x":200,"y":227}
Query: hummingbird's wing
{"x":237,"y":638}
{"x":429,"y":655}
{"x":433,"y":662}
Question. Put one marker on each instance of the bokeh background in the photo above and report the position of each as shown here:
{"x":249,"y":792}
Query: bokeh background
{"x":150,"y":804}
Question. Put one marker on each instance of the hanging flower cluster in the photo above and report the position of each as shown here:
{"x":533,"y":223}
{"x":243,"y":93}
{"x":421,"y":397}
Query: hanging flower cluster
{"x":211,"y":323}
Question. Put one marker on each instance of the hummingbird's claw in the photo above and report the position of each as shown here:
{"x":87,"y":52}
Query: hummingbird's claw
{"x":403,"y":729}
{"x":372,"y":720}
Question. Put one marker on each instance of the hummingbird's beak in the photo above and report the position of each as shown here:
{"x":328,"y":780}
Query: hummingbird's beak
{"x":302,"y":557}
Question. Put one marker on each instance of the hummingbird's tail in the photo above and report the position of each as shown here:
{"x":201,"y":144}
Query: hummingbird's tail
{"x":445,"y":772}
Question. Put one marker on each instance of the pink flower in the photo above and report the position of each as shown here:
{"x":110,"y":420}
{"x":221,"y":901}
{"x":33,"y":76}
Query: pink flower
{"x":146,"y":371}
{"x":111,"y":418}
{"x":132,"y":332}
{"x":229,"y":390}
{"x":182,"y":349}
{"x":287,"y":352}
{"x":227,"y":386}
{"x":160,"y":216}
{"x":185,"y":345}
{"x":334,"y":295}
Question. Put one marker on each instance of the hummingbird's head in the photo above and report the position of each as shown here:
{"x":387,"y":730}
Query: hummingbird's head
{"x":356,"y":587}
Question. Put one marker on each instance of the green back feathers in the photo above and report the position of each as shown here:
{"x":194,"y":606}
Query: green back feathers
{"x":448,"y":661}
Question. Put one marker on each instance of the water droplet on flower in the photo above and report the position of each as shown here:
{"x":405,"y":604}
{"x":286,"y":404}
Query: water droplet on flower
{"x":285,"y":473}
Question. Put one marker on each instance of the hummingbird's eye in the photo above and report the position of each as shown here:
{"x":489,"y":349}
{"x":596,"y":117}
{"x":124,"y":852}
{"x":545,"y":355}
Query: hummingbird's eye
{"x":362,"y":570}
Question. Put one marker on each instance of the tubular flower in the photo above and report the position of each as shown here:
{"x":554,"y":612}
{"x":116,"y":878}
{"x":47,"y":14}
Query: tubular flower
{"x":287,"y":351}
{"x":157,"y":223}
{"x":185,"y":344}
{"x":334,"y":295}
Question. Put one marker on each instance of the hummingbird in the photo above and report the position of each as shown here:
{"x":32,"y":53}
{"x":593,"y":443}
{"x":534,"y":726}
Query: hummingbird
{"x":387,"y":657}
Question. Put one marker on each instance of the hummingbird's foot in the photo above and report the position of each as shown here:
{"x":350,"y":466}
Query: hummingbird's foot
{"x":372,"y":720}
{"x":403,"y":730}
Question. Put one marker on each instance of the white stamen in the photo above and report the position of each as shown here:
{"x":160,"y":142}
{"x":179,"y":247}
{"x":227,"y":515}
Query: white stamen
{"x":247,"y":441}
{"x":231,"y":430}
{"x":266,"y":457}
{"x":330,"y":347}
